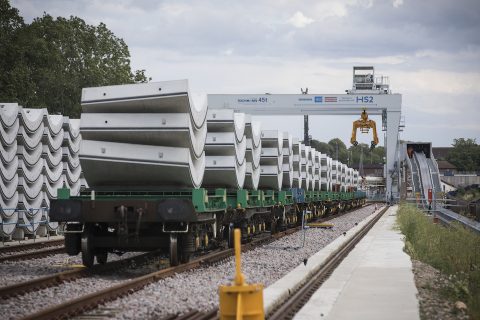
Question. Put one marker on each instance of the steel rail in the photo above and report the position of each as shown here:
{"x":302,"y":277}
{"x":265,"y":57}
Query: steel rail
{"x":31,"y":246}
{"x":69,"y":275}
{"x":33,"y":254}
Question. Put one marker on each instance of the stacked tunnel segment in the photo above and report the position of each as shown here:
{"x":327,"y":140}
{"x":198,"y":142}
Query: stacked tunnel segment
{"x":142,"y":136}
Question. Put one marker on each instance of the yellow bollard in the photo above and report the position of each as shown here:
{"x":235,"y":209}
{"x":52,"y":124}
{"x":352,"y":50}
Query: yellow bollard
{"x":241,"y":301}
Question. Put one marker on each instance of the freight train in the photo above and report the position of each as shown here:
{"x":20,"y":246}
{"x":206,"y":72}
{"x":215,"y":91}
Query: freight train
{"x":164,"y":174}
{"x":182,"y":222}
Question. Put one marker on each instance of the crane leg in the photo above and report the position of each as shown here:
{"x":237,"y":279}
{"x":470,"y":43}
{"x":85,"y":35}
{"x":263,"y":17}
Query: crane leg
{"x":353,"y":139}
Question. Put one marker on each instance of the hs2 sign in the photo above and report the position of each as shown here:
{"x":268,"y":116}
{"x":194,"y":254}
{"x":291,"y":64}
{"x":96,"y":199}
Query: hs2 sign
{"x":365,"y":99}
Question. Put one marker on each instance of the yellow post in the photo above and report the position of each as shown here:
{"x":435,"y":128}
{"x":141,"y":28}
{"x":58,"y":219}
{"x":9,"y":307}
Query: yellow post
{"x":241,"y":301}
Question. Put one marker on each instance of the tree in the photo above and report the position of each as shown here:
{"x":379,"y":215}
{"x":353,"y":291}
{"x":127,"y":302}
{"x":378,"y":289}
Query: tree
{"x":339,"y":148}
{"x":322,"y":147}
{"x":350,"y":156}
{"x":465,"y":154}
{"x":10,"y":23}
{"x":55,"y":58}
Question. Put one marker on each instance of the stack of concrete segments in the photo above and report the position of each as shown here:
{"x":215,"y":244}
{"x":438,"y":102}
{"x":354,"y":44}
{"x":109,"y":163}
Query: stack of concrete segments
{"x":355,"y":178}
{"x":349,"y":179}
{"x":271,"y":160}
{"x":336,"y":168}
{"x":304,"y":157}
{"x":144,"y":136}
{"x":225,"y":148}
{"x":31,"y":168}
{"x":8,"y":167}
{"x":298,"y":153}
{"x":53,"y":136}
{"x":311,"y":164}
{"x":316,"y":173}
{"x":72,"y":171}
{"x":329,"y":173}
{"x":253,"y":131}
{"x":343,"y":182}
{"x":287,"y":166}
{"x":324,"y":173}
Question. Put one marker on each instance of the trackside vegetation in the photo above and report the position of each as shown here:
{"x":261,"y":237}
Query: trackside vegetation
{"x":454,"y":251}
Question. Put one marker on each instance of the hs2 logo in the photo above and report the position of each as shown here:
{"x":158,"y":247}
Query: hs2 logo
{"x":365,"y":99}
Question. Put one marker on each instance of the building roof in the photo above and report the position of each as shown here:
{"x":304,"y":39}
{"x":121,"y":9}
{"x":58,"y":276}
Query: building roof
{"x":445,"y":165}
{"x":369,"y":166}
{"x":441,"y":152}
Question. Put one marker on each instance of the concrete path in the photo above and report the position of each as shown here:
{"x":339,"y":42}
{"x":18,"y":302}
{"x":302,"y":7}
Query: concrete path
{"x":374,"y":282}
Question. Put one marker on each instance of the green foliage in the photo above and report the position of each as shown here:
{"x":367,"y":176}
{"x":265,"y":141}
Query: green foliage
{"x":454,"y":251}
{"x":49,"y":61}
{"x":322,"y":147}
{"x":465,"y":154}
{"x":351,"y":155}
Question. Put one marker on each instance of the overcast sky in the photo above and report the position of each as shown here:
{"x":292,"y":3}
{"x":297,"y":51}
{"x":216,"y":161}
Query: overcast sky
{"x":430,"y":49}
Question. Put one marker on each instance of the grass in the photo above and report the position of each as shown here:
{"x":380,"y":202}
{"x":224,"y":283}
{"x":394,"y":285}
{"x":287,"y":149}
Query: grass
{"x":454,"y":251}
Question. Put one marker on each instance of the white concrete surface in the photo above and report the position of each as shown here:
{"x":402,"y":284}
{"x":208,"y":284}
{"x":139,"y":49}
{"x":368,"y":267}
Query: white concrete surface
{"x":375,"y":281}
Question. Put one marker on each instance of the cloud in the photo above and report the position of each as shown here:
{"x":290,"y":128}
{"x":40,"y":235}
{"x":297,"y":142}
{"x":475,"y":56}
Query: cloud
{"x":299,"y":20}
{"x":397,"y":3}
{"x":430,"y":50}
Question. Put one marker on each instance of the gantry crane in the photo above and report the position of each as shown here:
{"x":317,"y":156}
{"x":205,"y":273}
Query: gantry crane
{"x":368,"y":91}
{"x":364,"y":124}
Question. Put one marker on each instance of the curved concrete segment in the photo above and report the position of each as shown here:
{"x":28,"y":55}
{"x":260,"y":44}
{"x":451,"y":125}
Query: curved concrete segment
{"x":9,"y":123}
{"x":8,"y":153}
{"x":305,"y":167}
{"x":148,"y":135}
{"x":32,"y":119}
{"x":252,"y":153}
{"x":252,"y":177}
{"x":225,"y":150}
{"x":224,"y":120}
{"x":224,"y":171}
{"x":9,"y":114}
{"x":9,"y":128}
{"x":287,"y":165}
{"x":34,"y":144}
{"x":271,"y":160}
{"x":54,"y":123}
{"x":154,"y":97}
{"x":298,"y":149}
{"x":112,"y":164}
{"x":8,"y":224}
{"x":253,"y":130}
{"x":317,"y":169}
{"x":311,"y":168}
{"x":163,"y":129}
{"x":225,"y":144}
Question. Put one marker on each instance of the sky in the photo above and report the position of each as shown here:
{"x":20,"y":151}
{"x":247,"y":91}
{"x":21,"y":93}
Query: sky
{"x":429,"y":49}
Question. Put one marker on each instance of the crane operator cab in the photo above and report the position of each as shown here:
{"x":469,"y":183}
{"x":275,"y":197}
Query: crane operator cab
{"x":364,"y":124}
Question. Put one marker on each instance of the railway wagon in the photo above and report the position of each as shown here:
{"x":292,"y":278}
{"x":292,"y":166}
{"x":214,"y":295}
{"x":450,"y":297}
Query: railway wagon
{"x":182,"y":222}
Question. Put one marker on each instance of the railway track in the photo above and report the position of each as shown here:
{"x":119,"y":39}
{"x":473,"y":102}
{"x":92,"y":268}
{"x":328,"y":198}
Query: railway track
{"x":90,"y":301}
{"x":70,"y":275}
{"x":30,"y":246}
{"x":87,"y":302}
{"x":35,"y":250}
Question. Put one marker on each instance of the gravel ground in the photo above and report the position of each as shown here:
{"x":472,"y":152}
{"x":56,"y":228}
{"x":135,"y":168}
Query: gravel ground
{"x":197,"y":289}
{"x":21,"y":306}
{"x":20,"y":271}
{"x":430,"y":282}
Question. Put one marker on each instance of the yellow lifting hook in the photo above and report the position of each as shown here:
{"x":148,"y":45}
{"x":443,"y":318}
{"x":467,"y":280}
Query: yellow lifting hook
{"x":241,"y":301}
{"x":364,"y":124}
